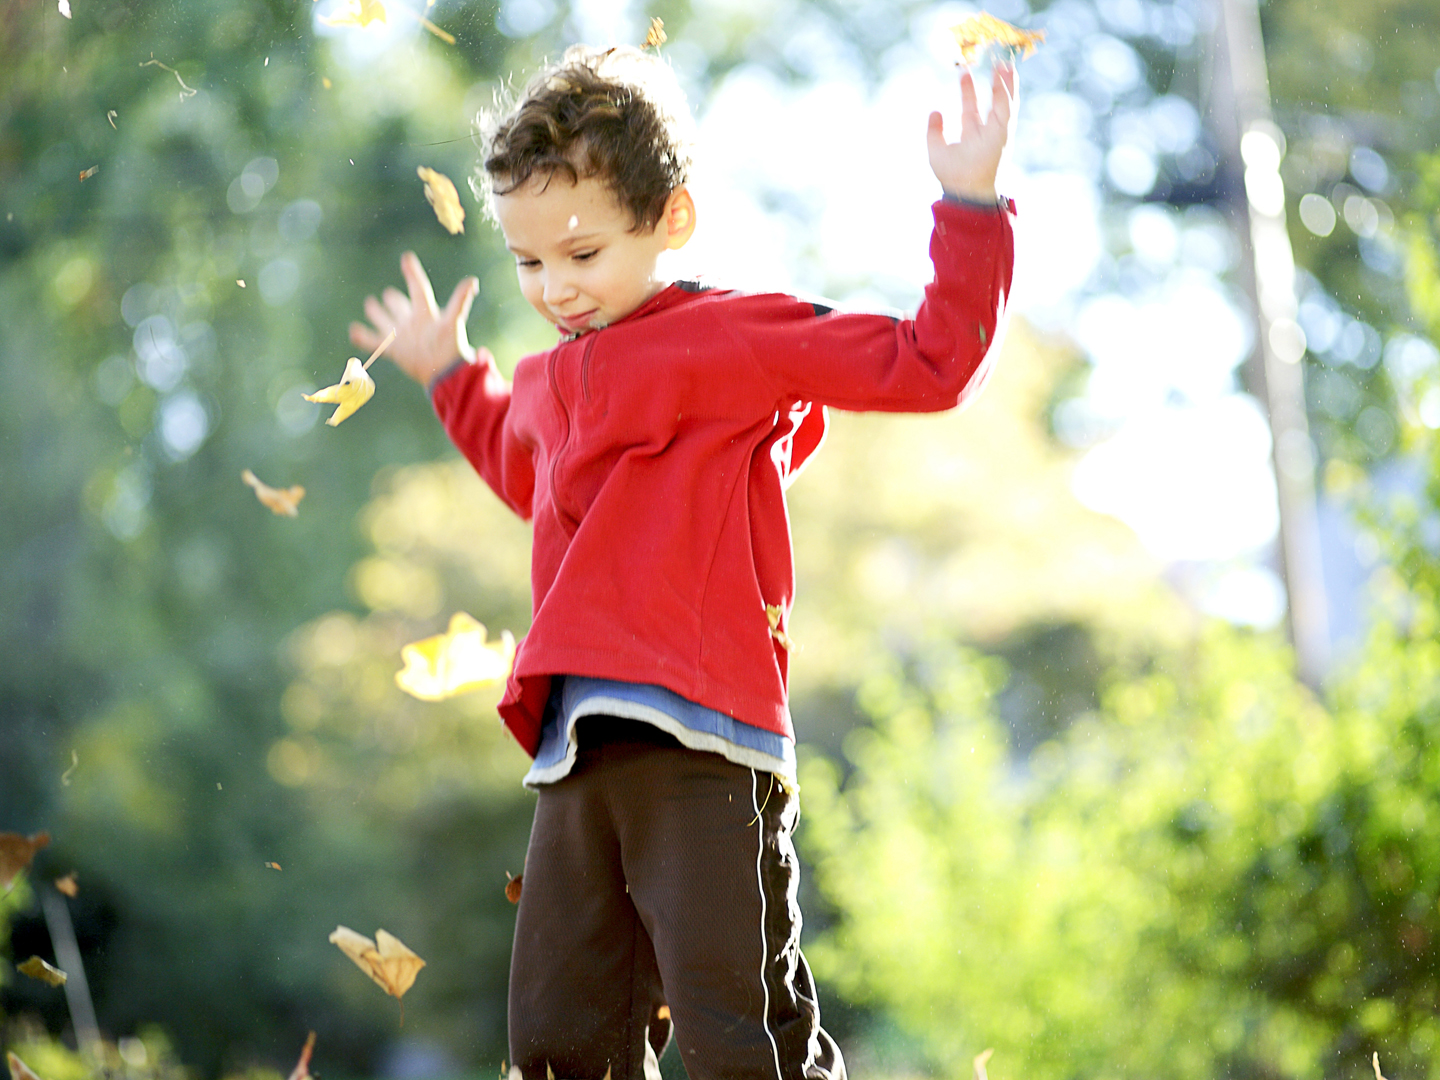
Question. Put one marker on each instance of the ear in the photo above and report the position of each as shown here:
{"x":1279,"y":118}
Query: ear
{"x":679,"y":218}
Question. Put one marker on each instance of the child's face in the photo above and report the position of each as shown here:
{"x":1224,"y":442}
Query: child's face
{"x":579,"y":262}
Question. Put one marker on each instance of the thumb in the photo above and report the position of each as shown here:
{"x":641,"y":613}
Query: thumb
{"x":935,"y":132}
{"x":458,"y":307}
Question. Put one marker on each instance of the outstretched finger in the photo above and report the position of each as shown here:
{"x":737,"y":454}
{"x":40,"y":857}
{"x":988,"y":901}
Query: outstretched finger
{"x":421,"y":294}
{"x":379,"y":316}
{"x":363,"y":337}
{"x":399,"y":304}
{"x":969,"y":103}
{"x":457,"y":309}
{"x":1002,"y":94}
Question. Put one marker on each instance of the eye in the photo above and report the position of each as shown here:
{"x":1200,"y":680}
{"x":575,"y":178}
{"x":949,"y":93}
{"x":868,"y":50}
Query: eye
{"x":585,"y":256}
{"x":527,"y":264}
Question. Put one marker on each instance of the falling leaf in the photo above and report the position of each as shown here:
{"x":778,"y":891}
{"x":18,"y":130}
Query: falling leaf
{"x":18,"y":1069}
{"x":39,"y":969}
{"x":386,"y":960}
{"x":240,"y":281}
{"x":773,"y":613}
{"x":74,"y":764}
{"x":283,"y":501}
{"x":440,"y":193}
{"x":979,"y":1063}
{"x":512,"y":887}
{"x":325,"y":82}
{"x":1375,"y":1061}
{"x":975,"y":32}
{"x":16,"y":851}
{"x":455,"y":662}
{"x":662,"y":1013}
{"x":89,"y":173}
{"x":111,"y":115}
{"x":68,"y":885}
{"x":355,"y":387}
{"x":655,"y":36}
{"x":358,"y":13}
{"x":185,"y":91}
{"x":65,"y":8}
{"x":272,"y":866}
{"x":302,"y":1067}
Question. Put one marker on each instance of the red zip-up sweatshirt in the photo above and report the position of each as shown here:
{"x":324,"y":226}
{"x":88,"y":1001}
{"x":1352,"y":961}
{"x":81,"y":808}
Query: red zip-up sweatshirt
{"x":652,"y":458}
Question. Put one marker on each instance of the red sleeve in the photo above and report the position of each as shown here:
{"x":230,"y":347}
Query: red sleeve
{"x":473,"y":403}
{"x":936,"y":360}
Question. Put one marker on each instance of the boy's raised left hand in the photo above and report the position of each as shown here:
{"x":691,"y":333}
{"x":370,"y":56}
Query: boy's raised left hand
{"x":967,"y":168}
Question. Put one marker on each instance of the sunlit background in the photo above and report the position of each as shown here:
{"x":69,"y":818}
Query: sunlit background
{"x":1069,"y":793}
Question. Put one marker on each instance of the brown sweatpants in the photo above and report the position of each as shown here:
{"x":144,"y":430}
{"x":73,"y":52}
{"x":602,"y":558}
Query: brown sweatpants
{"x":662,"y":876}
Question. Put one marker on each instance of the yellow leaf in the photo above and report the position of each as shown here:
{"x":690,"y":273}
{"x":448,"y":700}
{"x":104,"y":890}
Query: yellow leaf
{"x":283,"y":501}
{"x":655,"y":36}
{"x":386,"y":959}
{"x":39,"y":969}
{"x":979,"y":1063}
{"x":975,"y":32}
{"x":16,"y":851}
{"x":68,"y":885}
{"x":440,"y":193}
{"x":455,"y":662}
{"x":358,"y":13}
{"x":354,"y":389}
{"x":19,"y":1070}
{"x":773,"y":613}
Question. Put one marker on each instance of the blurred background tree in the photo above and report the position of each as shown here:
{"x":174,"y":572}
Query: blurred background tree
{"x":1048,"y":809}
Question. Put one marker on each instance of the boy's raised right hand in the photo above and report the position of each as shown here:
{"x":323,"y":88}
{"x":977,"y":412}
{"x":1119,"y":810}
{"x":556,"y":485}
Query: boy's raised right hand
{"x":428,"y":339}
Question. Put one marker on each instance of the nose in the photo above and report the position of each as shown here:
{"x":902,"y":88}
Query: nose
{"x":558,"y":288}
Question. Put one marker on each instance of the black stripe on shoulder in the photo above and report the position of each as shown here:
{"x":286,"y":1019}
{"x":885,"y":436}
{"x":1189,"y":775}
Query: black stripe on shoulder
{"x":821,"y":309}
{"x":693,"y":286}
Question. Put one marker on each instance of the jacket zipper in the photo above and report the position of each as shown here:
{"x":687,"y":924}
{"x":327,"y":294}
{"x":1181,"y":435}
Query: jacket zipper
{"x":585,"y":365}
{"x":570,"y":521}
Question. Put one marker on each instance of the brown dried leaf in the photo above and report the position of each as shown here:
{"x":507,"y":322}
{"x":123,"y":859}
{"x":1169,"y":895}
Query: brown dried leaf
{"x":302,"y":1067}
{"x":975,"y":32}
{"x":68,"y":885}
{"x":89,"y":173}
{"x":655,"y":36}
{"x":512,"y":887}
{"x":18,"y":1069}
{"x":283,"y":501}
{"x":386,"y":960}
{"x":16,"y":851}
{"x":440,"y":193}
{"x":39,"y":969}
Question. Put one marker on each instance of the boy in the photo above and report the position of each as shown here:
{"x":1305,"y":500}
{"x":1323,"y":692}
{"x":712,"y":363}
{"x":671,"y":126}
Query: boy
{"x":651,"y":448}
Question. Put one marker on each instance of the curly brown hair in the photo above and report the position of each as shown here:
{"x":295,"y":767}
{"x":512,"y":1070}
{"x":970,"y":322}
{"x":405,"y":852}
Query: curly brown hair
{"x":617,"y":114}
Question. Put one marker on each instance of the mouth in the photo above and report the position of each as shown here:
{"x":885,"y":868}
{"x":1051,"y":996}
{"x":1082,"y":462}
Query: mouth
{"x":574,"y":323}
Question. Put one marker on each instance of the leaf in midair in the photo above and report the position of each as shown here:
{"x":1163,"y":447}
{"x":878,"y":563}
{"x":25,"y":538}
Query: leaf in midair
{"x":283,"y":501}
{"x":975,"y":32}
{"x":358,"y":13}
{"x":440,"y":193}
{"x":354,"y":389}
{"x":655,"y":36}
{"x":302,"y":1067}
{"x":773,"y":614}
{"x":18,"y":1069}
{"x":387,"y":960}
{"x":455,"y":662}
{"x":16,"y":851}
{"x":513,"y":887}
{"x":39,"y":969}
{"x":68,"y":885}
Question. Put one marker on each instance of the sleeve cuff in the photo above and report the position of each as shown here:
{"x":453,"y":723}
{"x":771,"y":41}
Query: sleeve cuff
{"x":459,"y":363}
{"x":1002,"y":202}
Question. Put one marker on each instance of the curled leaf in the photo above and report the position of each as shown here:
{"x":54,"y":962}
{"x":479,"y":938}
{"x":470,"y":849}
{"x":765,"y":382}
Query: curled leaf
{"x":976,"y":32}
{"x":1375,"y":1063}
{"x":655,"y":36}
{"x":358,"y":13}
{"x":302,"y":1067}
{"x":773,"y":615}
{"x":455,"y":662}
{"x":512,"y":887}
{"x":386,"y":960}
{"x":283,"y":501}
{"x":16,"y":851}
{"x":68,"y":885}
{"x":39,"y":969}
{"x":440,"y":193}
{"x":354,"y":389}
